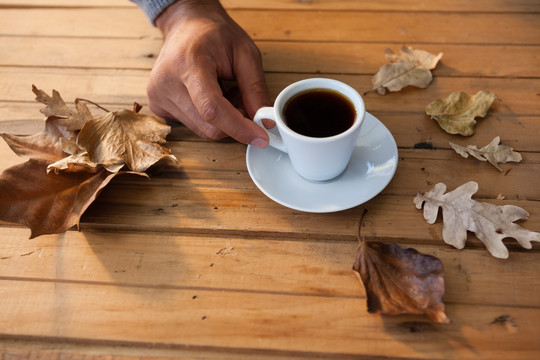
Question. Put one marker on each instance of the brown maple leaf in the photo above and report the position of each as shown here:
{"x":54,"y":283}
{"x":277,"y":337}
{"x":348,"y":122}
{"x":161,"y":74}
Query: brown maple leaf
{"x":400,"y":281}
{"x":125,"y":135}
{"x":48,"y":203}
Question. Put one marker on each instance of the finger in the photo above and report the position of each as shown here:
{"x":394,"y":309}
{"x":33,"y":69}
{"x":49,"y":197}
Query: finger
{"x":250,"y":77}
{"x":179,"y":107}
{"x":191,"y":117}
{"x":204,"y":91}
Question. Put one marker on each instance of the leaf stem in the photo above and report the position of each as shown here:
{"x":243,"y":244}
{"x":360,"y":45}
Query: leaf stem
{"x":360,"y":226}
{"x":93,"y":103}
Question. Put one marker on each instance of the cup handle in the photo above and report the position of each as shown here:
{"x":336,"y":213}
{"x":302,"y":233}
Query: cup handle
{"x":275,"y":140}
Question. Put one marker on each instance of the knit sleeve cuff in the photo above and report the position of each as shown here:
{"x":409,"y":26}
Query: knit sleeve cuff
{"x":153,"y":8}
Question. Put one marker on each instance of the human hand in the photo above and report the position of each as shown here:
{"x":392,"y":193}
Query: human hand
{"x":202,"y":45}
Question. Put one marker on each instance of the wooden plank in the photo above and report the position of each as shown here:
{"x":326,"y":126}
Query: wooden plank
{"x":364,"y":5}
{"x":316,"y":267}
{"x":398,"y":27}
{"x":122,"y":86}
{"x":518,"y":95}
{"x":39,"y":350}
{"x":350,"y":26}
{"x":65,"y":52}
{"x":67,"y":4}
{"x":257,"y":321}
{"x":392,"y":5}
{"x":367,"y":58}
{"x":76,"y":22}
{"x":188,"y":209}
{"x":324,"y":57}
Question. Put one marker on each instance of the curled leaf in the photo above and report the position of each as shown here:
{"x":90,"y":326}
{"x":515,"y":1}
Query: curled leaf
{"x":494,"y":152}
{"x":399,"y":281}
{"x":43,"y":145}
{"x":456,"y":113}
{"x":412,"y":67}
{"x":125,"y":135}
{"x":490,"y":223}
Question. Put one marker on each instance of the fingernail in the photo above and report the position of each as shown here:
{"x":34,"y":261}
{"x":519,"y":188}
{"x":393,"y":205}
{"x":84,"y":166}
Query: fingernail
{"x":260,"y":143}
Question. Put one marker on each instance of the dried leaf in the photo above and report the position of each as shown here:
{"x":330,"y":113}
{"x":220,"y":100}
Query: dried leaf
{"x":48,"y":203}
{"x":80,"y":157}
{"x":72,"y":120}
{"x":456,"y":113}
{"x":494,"y":152}
{"x":44,"y":145}
{"x":125,"y":135}
{"x":490,"y":223}
{"x":412,"y":67}
{"x":50,"y":192}
{"x":399,"y":281}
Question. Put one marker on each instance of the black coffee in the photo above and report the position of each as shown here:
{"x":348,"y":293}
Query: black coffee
{"x":319,"y":113}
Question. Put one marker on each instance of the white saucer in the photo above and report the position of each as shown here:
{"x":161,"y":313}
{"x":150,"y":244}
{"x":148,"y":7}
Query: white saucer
{"x":372,"y":166}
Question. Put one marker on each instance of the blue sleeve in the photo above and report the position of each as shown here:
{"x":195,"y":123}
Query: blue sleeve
{"x":153,"y":8}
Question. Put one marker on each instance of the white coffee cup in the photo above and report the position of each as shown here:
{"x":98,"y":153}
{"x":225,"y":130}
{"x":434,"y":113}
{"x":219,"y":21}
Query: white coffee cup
{"x":314,"y":158}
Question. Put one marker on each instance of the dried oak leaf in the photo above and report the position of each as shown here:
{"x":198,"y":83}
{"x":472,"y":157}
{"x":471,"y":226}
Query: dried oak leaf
{"x":490,"y":223}
{"x":456,"y":113}
{"x":125,"y":135}
{"x":48,"y":203}
{"x":72,"y":120}
{"x":399,"y":281}
{"x":494,"y":152}
{"x":412,"y":67}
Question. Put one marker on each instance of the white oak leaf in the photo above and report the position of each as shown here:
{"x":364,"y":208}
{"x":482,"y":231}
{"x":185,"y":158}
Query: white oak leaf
{"x":490,"y":223}
{"x":125,"y":135}
{"x":456,"y":114}
{"x":494,"y":152}
{"x":412,"y":67}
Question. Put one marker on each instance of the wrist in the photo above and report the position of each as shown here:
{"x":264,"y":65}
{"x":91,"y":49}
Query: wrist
{"x":183,"y":10}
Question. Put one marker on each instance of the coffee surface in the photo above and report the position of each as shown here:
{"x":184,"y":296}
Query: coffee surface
{"x":319,"y":113}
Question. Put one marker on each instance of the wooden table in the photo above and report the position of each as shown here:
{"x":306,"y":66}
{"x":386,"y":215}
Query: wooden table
{"x":199,"y":264}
